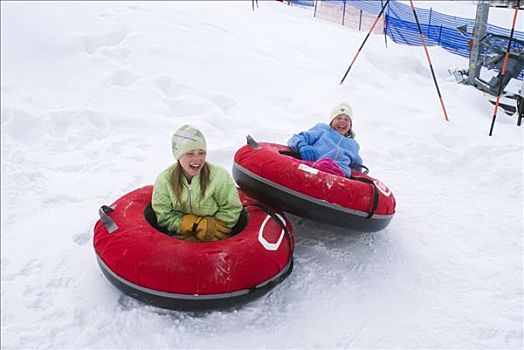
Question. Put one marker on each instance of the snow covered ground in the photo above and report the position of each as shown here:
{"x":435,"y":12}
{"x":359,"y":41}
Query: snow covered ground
{"x":91,"y":92}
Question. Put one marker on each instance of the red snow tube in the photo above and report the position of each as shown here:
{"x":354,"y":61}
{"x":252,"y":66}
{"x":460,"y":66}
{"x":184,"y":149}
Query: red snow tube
{"x":266,"y":172}
{"x":167,"y":272}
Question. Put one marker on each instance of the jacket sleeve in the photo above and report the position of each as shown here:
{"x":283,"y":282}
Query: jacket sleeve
{"x":305,"y":138}
{"x":226,"y":196}
{"x":356,"y":160}
{"x":166,"y":215}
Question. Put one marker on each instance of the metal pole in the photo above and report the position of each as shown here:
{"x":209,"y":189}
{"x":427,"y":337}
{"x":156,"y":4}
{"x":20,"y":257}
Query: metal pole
{"x":520,"y":105}
{"x":387,"y":21}
{"x":429,"y":19}
{"x":479,"y":31}
{"x":429,"y":61}
{"x":365,"y":39}
{"x":384,"y":24}
{"x":504,"y":64}
{"x":344,"y":12}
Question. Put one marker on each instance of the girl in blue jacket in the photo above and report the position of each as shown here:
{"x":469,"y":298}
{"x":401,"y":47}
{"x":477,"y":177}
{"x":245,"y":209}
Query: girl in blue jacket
{"x":335,"y":141}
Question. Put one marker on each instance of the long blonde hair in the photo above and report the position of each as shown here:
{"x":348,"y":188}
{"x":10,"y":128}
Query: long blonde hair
{"x":177,"y":179}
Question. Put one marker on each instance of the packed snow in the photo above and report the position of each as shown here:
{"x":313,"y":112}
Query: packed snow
{"x":91,"y":93}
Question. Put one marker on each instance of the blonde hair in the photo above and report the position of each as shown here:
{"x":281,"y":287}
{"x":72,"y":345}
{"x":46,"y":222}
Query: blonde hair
{"x":177,"y":180}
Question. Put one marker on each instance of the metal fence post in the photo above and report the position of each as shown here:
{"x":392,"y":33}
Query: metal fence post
{"x":360,"y":21}
{"x":344,"y":13}
{"x":440,"y":36}
{"x":387,"y":20}
{"x":429,"y":19}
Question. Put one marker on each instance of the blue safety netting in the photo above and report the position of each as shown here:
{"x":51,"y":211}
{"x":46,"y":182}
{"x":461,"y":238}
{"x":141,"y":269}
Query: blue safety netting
{"x":303,"y":2}
{"x":438,"y":28}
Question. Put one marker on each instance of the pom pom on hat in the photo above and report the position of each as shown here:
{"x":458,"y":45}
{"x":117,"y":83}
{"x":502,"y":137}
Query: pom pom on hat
{"x":185,"y":139}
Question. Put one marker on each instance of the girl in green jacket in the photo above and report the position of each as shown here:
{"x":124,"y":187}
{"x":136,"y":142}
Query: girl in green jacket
{"x":193,"y":198}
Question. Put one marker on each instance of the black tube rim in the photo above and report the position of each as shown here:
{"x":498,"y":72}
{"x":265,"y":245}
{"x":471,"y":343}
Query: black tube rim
{"x":305,"y":197}
{"x":279,"y":277}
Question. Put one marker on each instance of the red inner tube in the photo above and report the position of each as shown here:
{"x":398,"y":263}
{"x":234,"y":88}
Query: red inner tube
{"x":288,"y":172}
{"x":144,"y":256}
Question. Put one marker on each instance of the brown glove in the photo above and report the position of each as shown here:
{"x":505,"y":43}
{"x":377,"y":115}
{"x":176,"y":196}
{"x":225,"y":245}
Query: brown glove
{"x":187,"y":223}
{"x":211,"y":229}
{"x":188,"y":237}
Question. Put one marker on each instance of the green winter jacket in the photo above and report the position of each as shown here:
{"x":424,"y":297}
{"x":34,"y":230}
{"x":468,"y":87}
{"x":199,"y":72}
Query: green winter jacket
{"x":221,"y":199}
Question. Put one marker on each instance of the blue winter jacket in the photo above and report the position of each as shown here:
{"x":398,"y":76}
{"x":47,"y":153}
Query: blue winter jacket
{"x":328,"y":143}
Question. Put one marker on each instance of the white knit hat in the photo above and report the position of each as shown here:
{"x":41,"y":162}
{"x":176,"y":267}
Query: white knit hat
{"x":185,"y":139}
{"x":343,"y":108}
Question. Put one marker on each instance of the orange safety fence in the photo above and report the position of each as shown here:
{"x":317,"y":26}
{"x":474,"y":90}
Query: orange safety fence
{"x":348,"y":16}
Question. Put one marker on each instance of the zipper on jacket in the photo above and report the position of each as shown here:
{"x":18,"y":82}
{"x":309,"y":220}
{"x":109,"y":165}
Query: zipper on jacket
{"x":189,"y":198}
{"x":338,"y":147}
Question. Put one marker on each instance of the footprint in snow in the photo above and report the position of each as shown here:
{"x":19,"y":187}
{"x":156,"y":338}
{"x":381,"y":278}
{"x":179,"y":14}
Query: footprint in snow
{"x":92,"y":44}
{"x":33,"y":266}
{"x":124,"y":78}
{"x":82,"y":238}
{"x":30,"y":268}
{"x":170,"y":88}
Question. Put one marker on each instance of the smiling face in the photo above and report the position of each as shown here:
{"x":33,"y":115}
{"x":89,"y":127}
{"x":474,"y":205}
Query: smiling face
{"x":341,"y":123}
{"x":192,"y":162}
